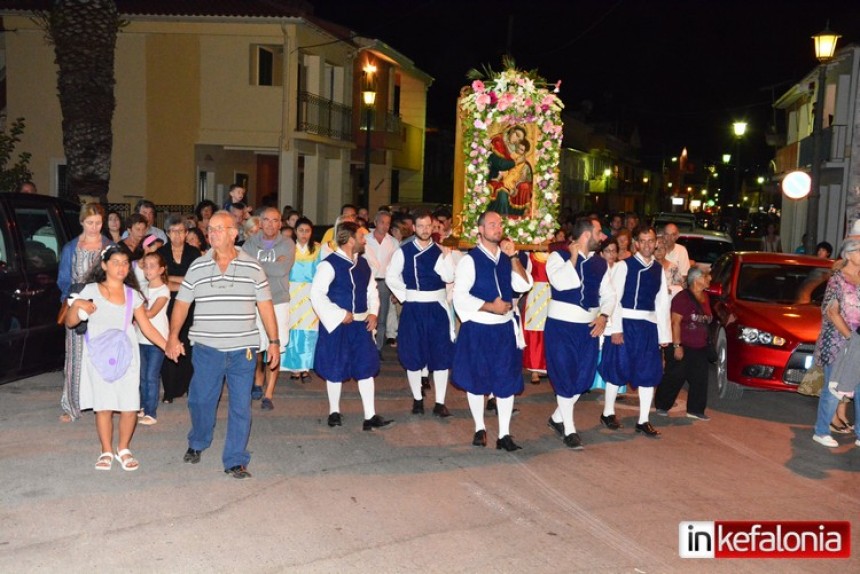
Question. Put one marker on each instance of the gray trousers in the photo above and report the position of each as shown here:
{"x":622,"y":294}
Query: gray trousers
{"x":382,"y":318}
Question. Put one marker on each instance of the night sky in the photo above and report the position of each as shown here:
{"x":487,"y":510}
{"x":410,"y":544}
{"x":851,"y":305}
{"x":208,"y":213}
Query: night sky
{"x":679,"y":72}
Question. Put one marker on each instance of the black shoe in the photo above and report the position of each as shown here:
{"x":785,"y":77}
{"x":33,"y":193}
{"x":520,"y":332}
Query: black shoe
{"x":441,"y":411}
{"x":256,"y":393}
{"x":335,"y":420}
{"x":238,"y":471}
{"x":425,"y":382}
{"x":507,"y":443}
{"x":557,"y":427}
{"x":491,"y":405}
{"x":417,"y":406}
{"x":375,"y":422}
{"x":648,"y":429}
{"x":192,"y":456}
{"x":611,"y":422}
{"x":573,"y":441}
{"x":480,"y":438}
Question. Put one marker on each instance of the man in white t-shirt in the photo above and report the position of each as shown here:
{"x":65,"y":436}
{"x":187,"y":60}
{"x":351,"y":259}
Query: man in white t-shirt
{"x":678,"y":256}
{"x":378,"y":250}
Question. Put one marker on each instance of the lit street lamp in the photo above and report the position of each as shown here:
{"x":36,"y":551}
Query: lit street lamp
{"x":825,"y":47}
{"x":368,"y":95}
{"x":739,"y":128}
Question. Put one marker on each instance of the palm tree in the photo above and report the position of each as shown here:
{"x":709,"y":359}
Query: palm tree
{"x":84,"y":36}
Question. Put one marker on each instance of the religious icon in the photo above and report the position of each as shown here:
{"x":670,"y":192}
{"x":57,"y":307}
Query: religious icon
{"x":510,"y":172}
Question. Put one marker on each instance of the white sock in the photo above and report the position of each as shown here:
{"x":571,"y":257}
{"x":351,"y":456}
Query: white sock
{"x":506,"y":409}
{"x":566,"y":408}
{"x":333,"y":396}
{"x":476,"y":405}
{"x":425,"y":372}
{"x":646,"y":395}
{"x":440,"y":382}
{"x":556,"y":414}
{"x":366,"y":390}
{"x":414,"y":378}
{"x":609,"y":399}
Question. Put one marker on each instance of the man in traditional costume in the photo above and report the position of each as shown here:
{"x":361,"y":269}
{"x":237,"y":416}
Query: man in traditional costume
{"x":582,"y":301}
{"x":487,"y":355}
{"x":417,"y":276}
{"x":640,"y":326}
{"x":344,"y":296}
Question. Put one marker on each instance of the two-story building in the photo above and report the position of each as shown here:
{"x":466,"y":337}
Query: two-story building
{"x":209,"y":94}
{"x":839,"y":185}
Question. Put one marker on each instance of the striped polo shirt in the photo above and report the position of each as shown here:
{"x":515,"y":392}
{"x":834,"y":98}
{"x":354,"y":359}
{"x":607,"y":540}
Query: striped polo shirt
{"x":225,"y":314}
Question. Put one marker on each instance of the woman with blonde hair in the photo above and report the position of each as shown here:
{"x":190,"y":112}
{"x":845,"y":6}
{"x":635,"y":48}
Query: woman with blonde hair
{"x":76,"y":259}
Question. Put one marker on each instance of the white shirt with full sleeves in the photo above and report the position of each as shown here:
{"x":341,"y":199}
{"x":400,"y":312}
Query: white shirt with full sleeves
{"x":331,"y":316}
{"x":468,"y":307}
{"x":394,"y":276}
{"x":660,"y":315}
{"x":563,"y":276}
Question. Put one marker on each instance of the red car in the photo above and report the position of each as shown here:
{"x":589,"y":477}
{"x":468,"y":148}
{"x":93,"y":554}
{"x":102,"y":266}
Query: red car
{"x":767,"y":309}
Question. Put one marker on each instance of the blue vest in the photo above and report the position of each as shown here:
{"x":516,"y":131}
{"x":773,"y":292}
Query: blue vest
{"x":418,"y":273}
{"x":642,"y":284}
{"x":591,"y":272}
{"x":491,"y":279}
{"x":348,"y":290}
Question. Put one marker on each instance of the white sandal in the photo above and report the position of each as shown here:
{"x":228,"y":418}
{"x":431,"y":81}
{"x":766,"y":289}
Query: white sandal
{"x":105,"y":461}
{"x":129,"y":464}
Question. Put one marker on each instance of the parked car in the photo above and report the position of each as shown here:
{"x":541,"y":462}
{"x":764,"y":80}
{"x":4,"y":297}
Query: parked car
{"x":33,"y":230}
{"x":704,"y":247}
{"x":684,"y":221}
{"x":767,"y":309}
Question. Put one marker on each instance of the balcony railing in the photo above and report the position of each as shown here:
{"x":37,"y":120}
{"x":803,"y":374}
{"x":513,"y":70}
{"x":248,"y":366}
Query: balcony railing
{"x":833,"y":143}
{"x":317,"y":115}
{"x":389,"y":123}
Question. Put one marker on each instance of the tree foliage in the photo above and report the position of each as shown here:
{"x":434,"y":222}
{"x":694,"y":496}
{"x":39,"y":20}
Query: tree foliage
{"x":12,"y":175}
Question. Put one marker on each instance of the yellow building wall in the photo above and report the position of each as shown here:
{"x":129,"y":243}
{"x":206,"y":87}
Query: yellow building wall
{"x":129,"y":165}
{"x":31,"y":90}
{"x":173,"y":116}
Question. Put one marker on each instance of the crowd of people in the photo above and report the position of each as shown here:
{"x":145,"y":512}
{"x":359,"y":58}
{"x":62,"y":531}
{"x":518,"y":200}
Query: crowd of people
{"x":238,"y":295}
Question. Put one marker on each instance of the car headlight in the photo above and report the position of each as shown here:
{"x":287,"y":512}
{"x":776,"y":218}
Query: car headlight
{"x":753,"y":336}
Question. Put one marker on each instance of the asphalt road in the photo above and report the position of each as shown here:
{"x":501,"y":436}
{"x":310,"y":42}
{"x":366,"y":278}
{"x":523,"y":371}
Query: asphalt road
{"x":415,"y":497}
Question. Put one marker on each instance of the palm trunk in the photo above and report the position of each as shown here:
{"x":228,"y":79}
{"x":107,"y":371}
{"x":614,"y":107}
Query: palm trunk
{"x":84,"y":34}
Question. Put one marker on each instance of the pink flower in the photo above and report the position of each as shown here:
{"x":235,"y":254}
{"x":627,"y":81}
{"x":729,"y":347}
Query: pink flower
{"x":557,"y":87}
{"x":478,"y":86}
{"x":493,"y":98}
{"x":481,"y":101}
{"x":505,"y":101}
{"x":547,"y":100}
{"x":480,"y":124}
{"x":529,"y":103}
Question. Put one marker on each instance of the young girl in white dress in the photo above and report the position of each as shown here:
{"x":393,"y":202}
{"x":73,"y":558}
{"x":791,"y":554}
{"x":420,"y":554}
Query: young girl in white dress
{"x":104,"y":303}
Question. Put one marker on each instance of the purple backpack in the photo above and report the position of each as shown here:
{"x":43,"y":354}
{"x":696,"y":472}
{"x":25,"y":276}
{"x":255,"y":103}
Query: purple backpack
{"x":111,"y":351}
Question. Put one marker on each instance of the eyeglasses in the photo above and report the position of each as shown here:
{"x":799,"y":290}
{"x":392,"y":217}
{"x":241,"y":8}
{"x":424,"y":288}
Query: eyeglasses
{"x":219,"y":229}
{"x":219,"y":281}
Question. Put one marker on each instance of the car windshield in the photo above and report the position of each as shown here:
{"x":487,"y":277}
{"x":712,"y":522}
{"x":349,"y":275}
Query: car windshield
{"x":703,"y":250}
{"x":782,"y":283}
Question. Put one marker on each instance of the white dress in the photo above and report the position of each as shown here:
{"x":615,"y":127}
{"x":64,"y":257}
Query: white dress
{"x":97,"y":394}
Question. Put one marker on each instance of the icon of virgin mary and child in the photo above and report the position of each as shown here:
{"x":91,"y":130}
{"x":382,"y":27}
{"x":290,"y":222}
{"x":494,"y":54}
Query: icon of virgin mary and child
{"x":509,"y":173}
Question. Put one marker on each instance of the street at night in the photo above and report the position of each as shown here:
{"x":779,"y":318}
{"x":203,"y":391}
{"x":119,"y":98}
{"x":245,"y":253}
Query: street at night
{"x":417,"y":496}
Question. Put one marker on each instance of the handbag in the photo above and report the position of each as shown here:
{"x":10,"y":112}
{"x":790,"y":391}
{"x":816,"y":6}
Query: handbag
{"x":111,"y":351}
{"x":711,"y":352}
{"x":812,"y":383}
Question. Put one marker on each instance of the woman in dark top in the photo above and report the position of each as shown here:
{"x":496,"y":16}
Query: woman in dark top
{"x":687,"y":357}
{"x":179,"y":256}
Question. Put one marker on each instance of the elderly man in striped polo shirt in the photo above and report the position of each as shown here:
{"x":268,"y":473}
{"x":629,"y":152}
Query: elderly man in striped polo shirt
{"x":229,"y":286}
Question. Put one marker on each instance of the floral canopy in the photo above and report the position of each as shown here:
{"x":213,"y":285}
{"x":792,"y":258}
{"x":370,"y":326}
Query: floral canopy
{"x":511,"y":142}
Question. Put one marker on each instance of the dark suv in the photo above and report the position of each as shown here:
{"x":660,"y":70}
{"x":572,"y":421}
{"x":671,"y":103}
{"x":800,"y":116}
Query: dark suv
{"x":33,"y":230}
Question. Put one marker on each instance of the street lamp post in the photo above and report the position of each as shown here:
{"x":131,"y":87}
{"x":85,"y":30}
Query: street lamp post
{"x":739,"y":128}
{"x":368,"y":95}
{"x":825,"y":47}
